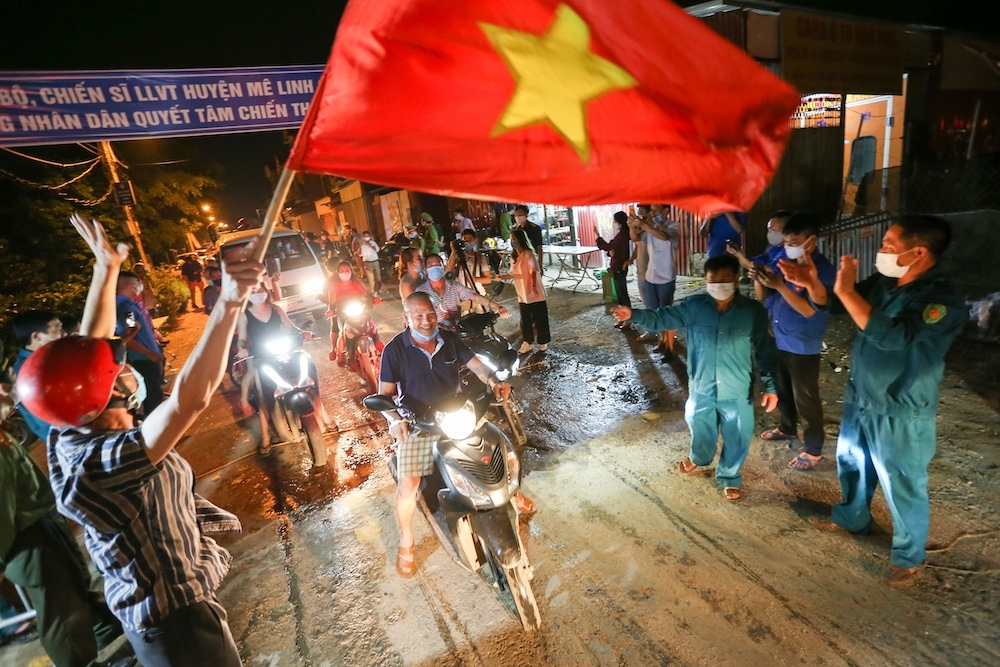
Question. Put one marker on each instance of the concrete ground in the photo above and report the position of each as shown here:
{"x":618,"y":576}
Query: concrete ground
{"x":636,"y":564}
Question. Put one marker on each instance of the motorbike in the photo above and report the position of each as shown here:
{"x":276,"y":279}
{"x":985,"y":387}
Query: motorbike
{"x":469,"y":501}
{"x":500,"y":356}
{"x":290,"y":374}
{"x":364,"y":348}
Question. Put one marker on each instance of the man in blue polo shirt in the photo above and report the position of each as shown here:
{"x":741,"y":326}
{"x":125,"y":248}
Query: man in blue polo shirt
{"x":798,"y":331}
{"x":775,"y":243}
{"x":136,"y":326}
{"x":422,"y":364}
{"x":722,"y":230}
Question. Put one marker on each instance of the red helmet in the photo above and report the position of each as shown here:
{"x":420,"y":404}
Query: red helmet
{"x":68,"y":382}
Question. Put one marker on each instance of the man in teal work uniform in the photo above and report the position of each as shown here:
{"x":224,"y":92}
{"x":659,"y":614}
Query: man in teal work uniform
{"x":907,"y":316}
{"x":723,"y":327}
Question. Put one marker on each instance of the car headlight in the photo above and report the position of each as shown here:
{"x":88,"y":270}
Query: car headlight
{"x":279,"y":345}
{"x":312,"y":286}
{"x":353,"y":308}
{"x":457,"y":425}
{"x":467,"y":487}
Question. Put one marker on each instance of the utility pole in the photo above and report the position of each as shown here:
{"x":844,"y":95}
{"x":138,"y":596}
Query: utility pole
{"x":131,"y":227}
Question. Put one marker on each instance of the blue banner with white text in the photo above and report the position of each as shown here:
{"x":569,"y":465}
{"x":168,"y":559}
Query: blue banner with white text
{"x":40,"y":108}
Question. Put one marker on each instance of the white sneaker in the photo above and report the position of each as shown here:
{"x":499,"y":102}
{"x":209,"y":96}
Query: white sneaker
{"x":525,"y":348}
{"x":543,"y":347}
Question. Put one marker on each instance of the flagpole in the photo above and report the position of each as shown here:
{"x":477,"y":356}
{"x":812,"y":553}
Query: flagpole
{"x":273,"y":214}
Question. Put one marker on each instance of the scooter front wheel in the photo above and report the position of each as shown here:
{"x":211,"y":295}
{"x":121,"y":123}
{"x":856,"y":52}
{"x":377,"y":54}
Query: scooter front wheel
{"x":315,"y":440}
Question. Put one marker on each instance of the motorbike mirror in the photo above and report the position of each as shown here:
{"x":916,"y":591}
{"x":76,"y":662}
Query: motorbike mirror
{"x":379,"y":403}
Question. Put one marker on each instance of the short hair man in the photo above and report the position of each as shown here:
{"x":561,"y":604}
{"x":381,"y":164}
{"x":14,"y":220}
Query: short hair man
{"x":191,"y":269}
{"x":469,"y":266}
{"x":214,"y":288}
{"x":448,"y":295}
{"x":123,"y":481}
{"x":135,"y":326}
{"x":798,"y":328}
{"x":722,"y":325}
{"x":33,"y":329}
{"x":461,"y":222}
{"x":533,"y":230}
{"x":405,"y":373}
{"x":723,"y":230}
{"x":907,"y":316}
{"x":775,"y":243}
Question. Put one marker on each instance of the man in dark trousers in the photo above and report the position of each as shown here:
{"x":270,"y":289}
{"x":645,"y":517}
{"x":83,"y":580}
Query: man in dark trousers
{"x":907,"y":315}
{"x":39,"y":554}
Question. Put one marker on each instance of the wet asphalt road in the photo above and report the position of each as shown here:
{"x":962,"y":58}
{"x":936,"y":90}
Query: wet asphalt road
{"x":635,"y":564}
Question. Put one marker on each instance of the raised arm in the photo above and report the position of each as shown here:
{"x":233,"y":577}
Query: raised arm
{"x":204,"y":369}
{"x":99,"y":314}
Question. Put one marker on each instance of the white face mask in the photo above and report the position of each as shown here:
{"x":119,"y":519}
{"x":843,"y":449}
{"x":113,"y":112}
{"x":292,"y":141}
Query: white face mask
{"x":775,"y":238}
{"x":258,"y":298}
{"x":795,"y":251}
{"x":886,"y":264}
{"x":720,"y":291}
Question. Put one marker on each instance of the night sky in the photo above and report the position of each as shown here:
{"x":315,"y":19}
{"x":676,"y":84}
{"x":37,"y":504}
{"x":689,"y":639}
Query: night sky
{"x":47,"y":35}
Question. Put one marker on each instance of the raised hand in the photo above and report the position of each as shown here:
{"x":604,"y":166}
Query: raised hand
{"x":800,"y":275}
{"x":97,"y":239}
{"x":847,"y":276}
{"x":240,"y":273}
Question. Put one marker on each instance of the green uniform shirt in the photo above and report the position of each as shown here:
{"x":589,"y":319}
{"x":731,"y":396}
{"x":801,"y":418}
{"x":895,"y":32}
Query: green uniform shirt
{"x":433,"y":239}
{"x":25,"y":495}
{"x":898,"y":360}
{"x":506,"y":223}
{"x":719,"y":344}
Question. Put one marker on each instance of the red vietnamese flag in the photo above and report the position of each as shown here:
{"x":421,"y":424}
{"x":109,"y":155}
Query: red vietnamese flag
{"x":575,"y":102}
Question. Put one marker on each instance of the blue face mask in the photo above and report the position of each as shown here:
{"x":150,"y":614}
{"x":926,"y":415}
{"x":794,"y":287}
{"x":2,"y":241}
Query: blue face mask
{"x":435,"y":272}
{"x":657,"y":219}
{"x":416,"y":335}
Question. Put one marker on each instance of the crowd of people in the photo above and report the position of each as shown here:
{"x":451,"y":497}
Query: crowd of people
{"x":97,"y":398}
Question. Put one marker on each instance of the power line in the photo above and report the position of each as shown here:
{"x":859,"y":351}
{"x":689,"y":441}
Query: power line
{"x":48,"y":162}
{"x":43,"y":186}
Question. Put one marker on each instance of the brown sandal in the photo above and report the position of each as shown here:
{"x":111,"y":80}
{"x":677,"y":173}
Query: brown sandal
{"x":732,"y":493}
{"x":524,"y":504}
{"x":688,"y":466}
{"x":407,"y":567}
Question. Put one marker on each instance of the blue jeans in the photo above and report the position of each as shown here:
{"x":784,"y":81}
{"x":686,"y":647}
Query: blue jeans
{"x":657,"y":295}
{"x":707,"y":417}
{"x":894,"y":452}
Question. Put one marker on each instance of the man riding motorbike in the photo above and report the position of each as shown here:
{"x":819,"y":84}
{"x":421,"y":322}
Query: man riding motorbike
{"x":405,"y":372}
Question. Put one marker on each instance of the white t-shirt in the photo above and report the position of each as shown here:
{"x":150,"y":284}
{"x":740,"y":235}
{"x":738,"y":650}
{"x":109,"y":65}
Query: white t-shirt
{"x":660,"y":269}
{"x":369,"y":250}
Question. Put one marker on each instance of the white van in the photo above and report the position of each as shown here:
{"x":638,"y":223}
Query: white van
{"x":302,"y":275}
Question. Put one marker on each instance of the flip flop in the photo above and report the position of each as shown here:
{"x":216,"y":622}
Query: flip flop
{"x":246,"y":409}
{"x":777,"y":434}
{"x":687,"y":466}
{"x":801,"y":462}
{"x":732,"y":493}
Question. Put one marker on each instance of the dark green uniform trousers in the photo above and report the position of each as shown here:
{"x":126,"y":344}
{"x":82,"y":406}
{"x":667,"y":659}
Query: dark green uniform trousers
{"x":46,"y":562}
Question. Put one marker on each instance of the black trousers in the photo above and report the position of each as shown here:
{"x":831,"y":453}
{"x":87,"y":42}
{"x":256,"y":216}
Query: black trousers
{"x":194,"y":635}
{"x":797,"y":384}
{"x":46,"y":562}
{"x":152,"y":373}
{"x":535,"y":322}
{"x":620,"y":279}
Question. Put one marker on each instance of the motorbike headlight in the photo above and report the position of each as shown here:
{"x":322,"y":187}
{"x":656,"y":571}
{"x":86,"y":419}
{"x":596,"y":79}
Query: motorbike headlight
{"x":353,"y":308}
{"x":459,"y":424}
{"x":502,"y":374}
{"x":279,"y":345}
{"x":486,"y":362}
{"x":312,"y":286}
{"x":513,"y":467}
{"x":468,"y":488}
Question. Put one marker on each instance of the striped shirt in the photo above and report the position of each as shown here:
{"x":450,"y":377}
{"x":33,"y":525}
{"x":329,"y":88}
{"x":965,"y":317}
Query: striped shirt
{"x":144,"y":525}
{"x":449,"y":306}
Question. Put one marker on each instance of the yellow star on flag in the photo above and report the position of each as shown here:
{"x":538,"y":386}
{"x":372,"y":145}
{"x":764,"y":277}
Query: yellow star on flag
{"x":556,"y":76}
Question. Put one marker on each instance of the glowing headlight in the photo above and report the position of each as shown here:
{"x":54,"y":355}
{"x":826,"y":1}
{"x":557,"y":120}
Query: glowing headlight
{"x":503,"y":374}
{"x":457,"y":425}
{"x":312,"y":286}
{"x":353,"y":308}
{"x":467,"y":487}
{"x":279,"y":345}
